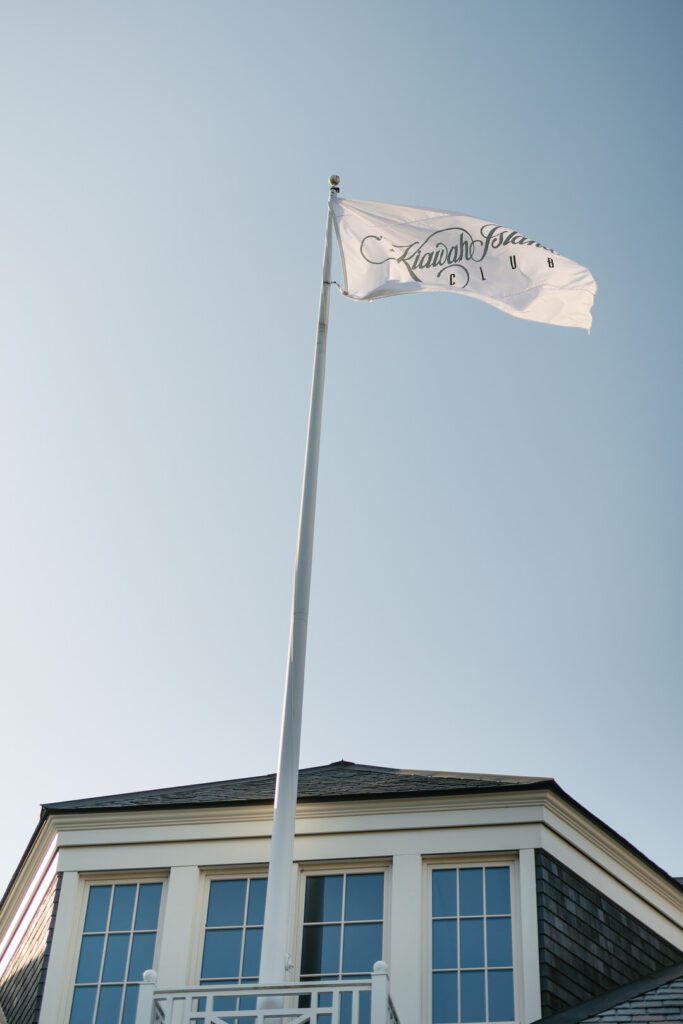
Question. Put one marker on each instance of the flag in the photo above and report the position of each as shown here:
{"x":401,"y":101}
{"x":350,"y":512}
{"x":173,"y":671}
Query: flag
{"x":395,"y":250}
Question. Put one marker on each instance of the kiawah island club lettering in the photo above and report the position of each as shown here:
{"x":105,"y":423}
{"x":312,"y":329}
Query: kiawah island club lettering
{"x":448,"y":248}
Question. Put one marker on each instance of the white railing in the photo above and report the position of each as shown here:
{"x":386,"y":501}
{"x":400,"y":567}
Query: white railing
{"x":338,"y":1002}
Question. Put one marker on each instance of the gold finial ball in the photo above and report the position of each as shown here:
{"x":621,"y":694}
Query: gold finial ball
{"x":334,"y":180}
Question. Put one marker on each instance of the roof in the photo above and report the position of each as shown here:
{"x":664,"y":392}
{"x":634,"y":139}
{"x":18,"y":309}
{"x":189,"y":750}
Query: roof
{"x":341,"y":780}
{"x":657,"y":997}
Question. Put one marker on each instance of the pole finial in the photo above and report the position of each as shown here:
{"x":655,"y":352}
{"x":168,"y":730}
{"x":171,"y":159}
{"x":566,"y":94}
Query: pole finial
{"x":334,"y":183}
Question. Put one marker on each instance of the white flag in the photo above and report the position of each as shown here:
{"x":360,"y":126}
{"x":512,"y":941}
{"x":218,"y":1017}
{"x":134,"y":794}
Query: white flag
{"x":394,"y":250}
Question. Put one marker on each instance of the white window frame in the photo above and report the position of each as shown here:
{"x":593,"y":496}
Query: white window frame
{"x":342,"y":867}
{"x":429,"y":865}
{"x":207,"y":876}
{"x":85,"y":882}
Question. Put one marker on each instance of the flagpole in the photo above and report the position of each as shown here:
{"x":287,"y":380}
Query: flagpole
{"x":275,"y":951}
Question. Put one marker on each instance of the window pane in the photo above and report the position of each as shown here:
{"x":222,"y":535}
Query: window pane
{"x":98,"y":908}
{"x":90,"y":958}
{"x":257,"y":900}
{"x":444,"y":944}
{"x":252,"y":952}
{"x":364,"y":898}
{"x":147,"y":915}
{"x":363,"y":1008}
{"x":497,"y":890}
{"x":225,"y":1003}
{"x":323,"y":898}
{"x":115,"y":958}
{"x":499,"y":942}
{"x":445,"y":998}
{"x":141,"y":955}
{"x":83,"y":1005}
{"x":472,"y":943}
{"x":122,"y":908}
{"x":130,"y":1004}
{"x":472,"y":1000}
{"x":345,"y":1008}
{"x":320,"y":951}
{"x":226,"y":902}
{"x":362,"y":947}
{"x":444,"y":893}
{"x":222,"y":954}
{"x":501,"y":999}
{"x":109,"y":1004}
{"x":471,"y":891}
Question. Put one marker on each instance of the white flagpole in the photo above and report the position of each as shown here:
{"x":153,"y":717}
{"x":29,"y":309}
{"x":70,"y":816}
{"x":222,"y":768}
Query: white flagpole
{"x":275,"y":953}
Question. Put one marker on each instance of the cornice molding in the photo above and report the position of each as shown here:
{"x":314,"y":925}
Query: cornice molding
{"x":39,"y":861}
{"x":615,"y":852}
{"x":543,"y":806}
{"x":252,"y":813}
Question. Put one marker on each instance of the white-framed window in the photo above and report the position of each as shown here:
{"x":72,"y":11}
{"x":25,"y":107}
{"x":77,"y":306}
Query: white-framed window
{"x":233,"y":930}
{"x":343,"y":923}
{"x":118,"y":943}
{"x":471,"y":943}
{"x":342,"y":928}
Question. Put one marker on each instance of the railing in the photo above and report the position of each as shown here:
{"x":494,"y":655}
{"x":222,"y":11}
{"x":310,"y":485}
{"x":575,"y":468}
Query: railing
{"x":338,"y":1002}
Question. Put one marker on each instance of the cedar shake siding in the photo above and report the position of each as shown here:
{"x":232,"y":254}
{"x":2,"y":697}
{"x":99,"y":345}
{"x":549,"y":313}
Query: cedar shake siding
{"x":21,"y":986}
{"x":587,"y":943}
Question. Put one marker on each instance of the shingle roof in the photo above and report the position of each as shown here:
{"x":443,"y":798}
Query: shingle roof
{"x":657,"y":997}
{"x":339,"y":780}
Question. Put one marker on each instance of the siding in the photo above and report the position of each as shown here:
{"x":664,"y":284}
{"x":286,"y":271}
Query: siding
{"x":587,"y":943}
{"x":21,"y":986}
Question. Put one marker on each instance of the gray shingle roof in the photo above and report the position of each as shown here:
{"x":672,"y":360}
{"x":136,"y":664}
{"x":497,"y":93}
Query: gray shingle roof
{"x":339,"y":780}
{"x":657,"y":997}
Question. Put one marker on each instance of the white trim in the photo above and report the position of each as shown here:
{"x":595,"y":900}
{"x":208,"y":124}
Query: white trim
{"x":26,"y":910}
{"x":65,"y":939}
{"x":377,"y":816}
{"x":571,"y":826}
{"x":528,"y":917}
{"x":175,"y":944}
{"x":646,"y":910}
{"x":406,"y":936}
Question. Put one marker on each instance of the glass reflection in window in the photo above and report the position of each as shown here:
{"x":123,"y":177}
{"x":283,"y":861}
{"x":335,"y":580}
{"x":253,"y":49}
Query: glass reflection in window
{"x":117,"y":946}
{"x":472,"y":979}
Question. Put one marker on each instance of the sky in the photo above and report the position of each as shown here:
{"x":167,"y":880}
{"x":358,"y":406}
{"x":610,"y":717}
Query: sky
{"x":497,"y":579}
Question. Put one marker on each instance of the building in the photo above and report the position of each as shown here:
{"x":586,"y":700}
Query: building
{"x":490,"y":898}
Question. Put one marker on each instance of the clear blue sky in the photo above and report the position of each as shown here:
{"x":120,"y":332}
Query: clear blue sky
{"x":497,"y":578}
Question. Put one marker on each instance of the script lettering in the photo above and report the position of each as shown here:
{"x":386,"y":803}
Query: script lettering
{"x":448,"y":249}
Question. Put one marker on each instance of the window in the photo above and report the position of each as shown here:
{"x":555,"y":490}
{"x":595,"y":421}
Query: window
{"x":342,"y":931}
{"x":232,"y":939}
{"x":119,"y":936}
{"x":233,"y":933}
{"x":471,"y":945}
